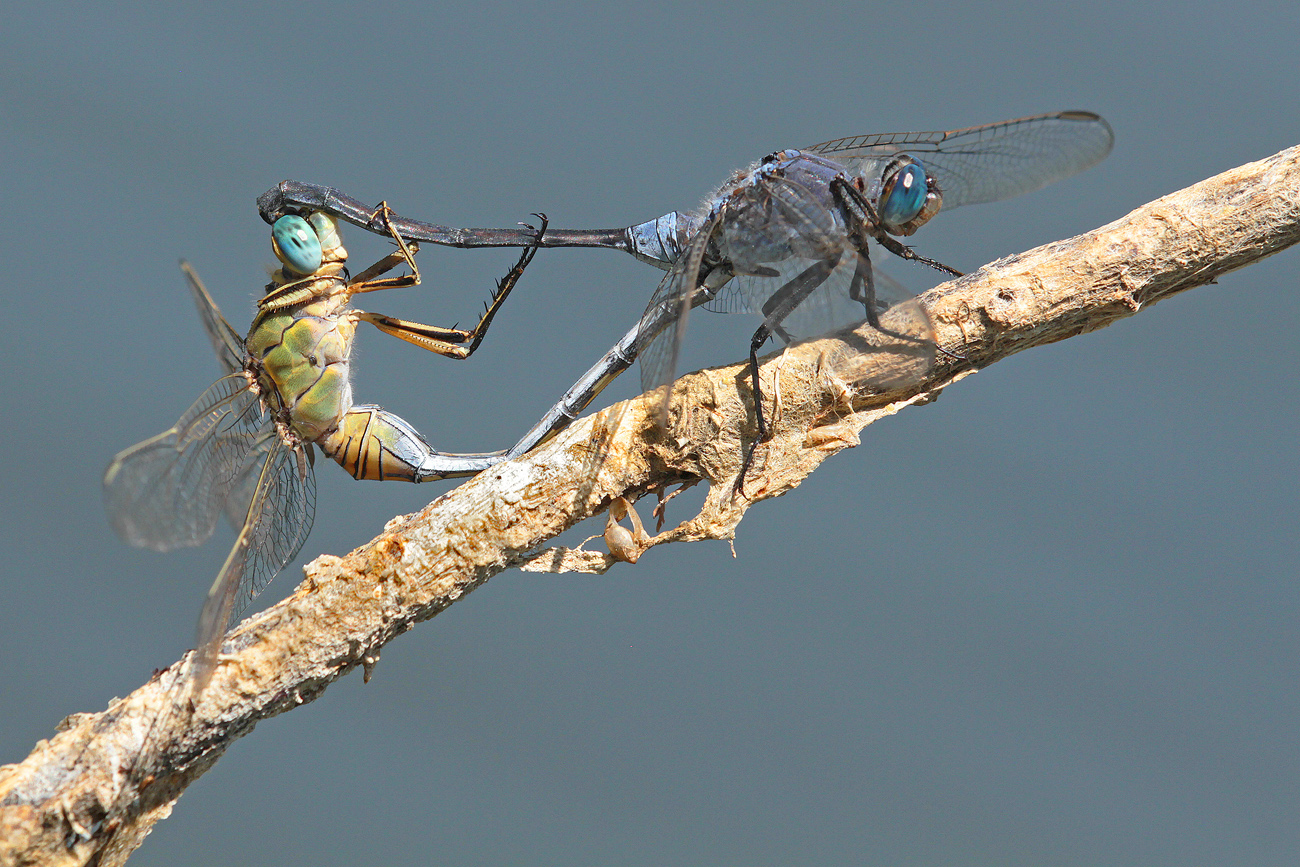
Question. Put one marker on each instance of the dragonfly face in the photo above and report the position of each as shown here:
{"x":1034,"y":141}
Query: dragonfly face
{"x":907,"y":196}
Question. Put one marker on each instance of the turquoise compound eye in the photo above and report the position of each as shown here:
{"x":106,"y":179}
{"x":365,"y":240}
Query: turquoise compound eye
{"x":296,"y":245}
{"x":903,"y":196}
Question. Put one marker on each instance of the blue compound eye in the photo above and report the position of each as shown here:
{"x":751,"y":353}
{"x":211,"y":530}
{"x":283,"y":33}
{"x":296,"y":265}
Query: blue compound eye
{"x":296,"y":245}
{"x":903,"y":195}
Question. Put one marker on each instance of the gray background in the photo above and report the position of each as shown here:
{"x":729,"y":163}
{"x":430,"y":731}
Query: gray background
{"x":1047,"y":620}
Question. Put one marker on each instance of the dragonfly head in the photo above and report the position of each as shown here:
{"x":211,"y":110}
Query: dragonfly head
{"x":908,"y":198}
{"x":304,"y":246}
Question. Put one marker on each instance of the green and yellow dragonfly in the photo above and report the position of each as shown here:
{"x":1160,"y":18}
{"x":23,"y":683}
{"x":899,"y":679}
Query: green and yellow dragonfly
{"x":245,"y":448}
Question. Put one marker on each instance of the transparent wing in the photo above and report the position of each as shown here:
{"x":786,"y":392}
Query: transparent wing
{"x":285,"y":506}
{"x":986,"y":163}
{"x":167,"y":491}
{"x":226,"y":342}
{"x":231,"y":352}
{"x":900,"y":347}
{"x":897,"y":354}
{"x":244,"y":483}
{"x":774,"y":232}
{"x":824,"y":309}
{"x":663,"y":325}
{"x":834,"y":305}
{"x":276,"y":524}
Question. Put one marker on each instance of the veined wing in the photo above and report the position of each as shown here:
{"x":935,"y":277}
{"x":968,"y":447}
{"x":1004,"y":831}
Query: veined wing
{"x":778,"y":232}
{"x":229,"y":347}
{"x":986,"y":163}
{"x":824,"y":309}
{"x":663,"y":325}
{"x":243,"y":485}
{"x":167,"y":491}
{"x":276,"y":525}
{"x":898,"y":350}
{"x":226,"y":342}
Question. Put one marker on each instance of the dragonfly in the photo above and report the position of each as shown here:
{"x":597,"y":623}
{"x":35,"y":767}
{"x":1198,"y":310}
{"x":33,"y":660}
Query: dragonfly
{"x":786,"y":238}
{"x":245,"y":448}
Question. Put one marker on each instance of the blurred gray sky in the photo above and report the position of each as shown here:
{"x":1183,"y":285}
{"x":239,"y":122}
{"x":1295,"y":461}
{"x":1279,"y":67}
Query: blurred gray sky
{"x":1052,"y":616}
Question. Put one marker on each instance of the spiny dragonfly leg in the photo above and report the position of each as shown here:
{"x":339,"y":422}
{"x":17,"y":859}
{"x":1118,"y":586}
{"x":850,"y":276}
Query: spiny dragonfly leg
{"x":505,"y":284}
{"x":775,"y":310}
{"x":452,"y":342}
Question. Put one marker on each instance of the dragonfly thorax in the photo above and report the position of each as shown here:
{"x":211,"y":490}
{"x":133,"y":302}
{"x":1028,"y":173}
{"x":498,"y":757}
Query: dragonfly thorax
{"x":781,"y":208}
{"x":301,"y":359}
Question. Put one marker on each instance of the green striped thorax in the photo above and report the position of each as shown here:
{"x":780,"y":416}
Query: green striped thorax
{"x":301,"y":339}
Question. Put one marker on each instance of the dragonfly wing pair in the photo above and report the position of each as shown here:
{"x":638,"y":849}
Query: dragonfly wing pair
{"x":224,"y":456}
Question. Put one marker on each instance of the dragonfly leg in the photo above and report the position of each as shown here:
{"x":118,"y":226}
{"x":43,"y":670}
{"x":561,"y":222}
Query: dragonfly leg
{"x":451,"y":342}
{"x":863,"y":288}
{"x":775,"y":310}
{"x":861,"y":213}
{"x":372,"y":443}
{"x":504,"y":285}
{"x":370,"y":280}
{"x":444,"y":341}
{"x":366,"y":281}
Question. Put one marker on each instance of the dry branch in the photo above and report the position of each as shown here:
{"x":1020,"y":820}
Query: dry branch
{"x":88,"y":795}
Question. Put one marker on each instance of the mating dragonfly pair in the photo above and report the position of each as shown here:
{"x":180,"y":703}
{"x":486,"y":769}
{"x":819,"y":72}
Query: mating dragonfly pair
{"x":786,"y":238}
